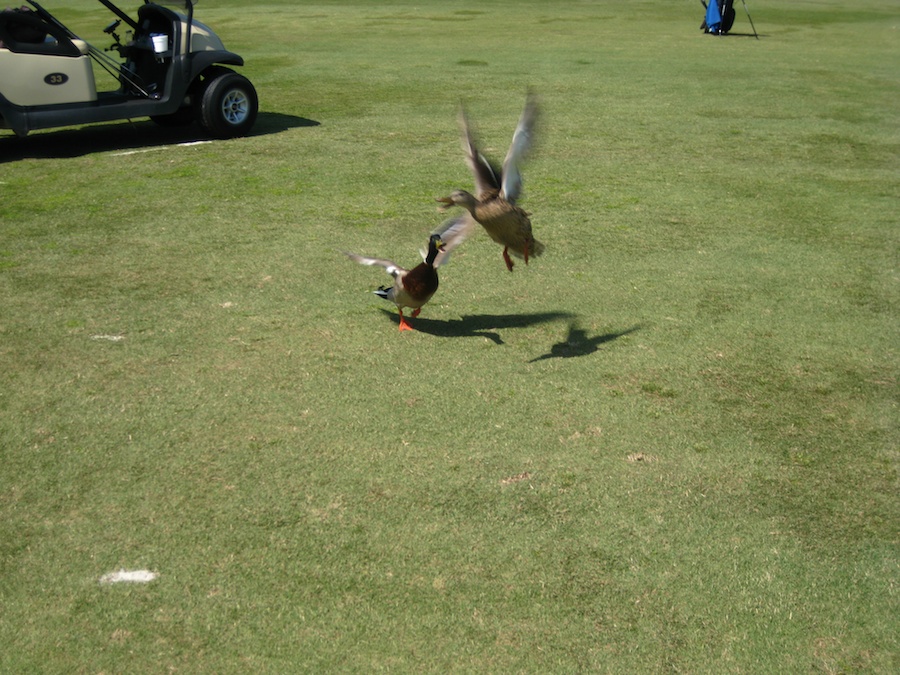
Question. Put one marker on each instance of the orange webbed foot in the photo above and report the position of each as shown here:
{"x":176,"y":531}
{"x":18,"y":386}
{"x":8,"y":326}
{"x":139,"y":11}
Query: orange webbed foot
{"x":403,"y":324}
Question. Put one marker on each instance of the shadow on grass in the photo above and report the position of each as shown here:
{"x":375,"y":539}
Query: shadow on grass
{"x":577,"y":343}
{"x":124,"y":136}
{"x":733,"y":34}
{"x":479,"y":325}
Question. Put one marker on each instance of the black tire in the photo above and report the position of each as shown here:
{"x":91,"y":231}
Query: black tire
{"x":228,"y":105}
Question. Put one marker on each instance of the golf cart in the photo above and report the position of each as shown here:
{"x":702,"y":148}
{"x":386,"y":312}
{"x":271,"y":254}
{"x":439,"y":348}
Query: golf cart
{"x":171,"y":68}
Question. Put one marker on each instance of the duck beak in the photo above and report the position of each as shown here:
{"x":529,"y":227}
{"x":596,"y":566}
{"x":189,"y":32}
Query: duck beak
{"x":446,"y":201}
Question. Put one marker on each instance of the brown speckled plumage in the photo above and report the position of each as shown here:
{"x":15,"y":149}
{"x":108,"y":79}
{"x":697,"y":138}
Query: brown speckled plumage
{"x":495,"y":207}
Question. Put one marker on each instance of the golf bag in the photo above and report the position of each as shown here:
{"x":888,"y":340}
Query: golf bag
{"x":719,"y":17}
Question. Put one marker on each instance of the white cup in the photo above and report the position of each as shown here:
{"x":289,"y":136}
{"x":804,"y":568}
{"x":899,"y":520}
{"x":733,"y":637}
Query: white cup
{"x":160,"y":42}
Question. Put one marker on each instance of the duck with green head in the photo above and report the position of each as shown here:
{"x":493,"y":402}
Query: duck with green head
{"x":411,"y":288}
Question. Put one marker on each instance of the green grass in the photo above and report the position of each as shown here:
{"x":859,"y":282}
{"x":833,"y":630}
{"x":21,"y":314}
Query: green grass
{"x":668,"y":445}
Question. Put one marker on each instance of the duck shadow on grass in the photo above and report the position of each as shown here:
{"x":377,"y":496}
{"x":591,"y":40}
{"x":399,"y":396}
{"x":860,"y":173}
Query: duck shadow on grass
{"x":577,"y":343}
{"x":126,"y":136}
{"x":479,"y":325}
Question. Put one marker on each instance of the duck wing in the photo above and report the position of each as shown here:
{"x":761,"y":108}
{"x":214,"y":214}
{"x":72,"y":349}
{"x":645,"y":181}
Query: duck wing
{"x":453,"y":233}
{"x":487,"y":176}
{"x":523,"y":139}
{"x":391,"y":267}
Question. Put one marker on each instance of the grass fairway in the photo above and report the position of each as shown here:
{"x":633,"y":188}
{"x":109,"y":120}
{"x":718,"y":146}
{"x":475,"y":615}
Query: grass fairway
{"x":668,"y":445}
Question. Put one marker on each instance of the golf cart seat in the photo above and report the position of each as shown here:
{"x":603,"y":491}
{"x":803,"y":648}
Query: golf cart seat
{"x":156,"y":20}
{"x":24,"y":32}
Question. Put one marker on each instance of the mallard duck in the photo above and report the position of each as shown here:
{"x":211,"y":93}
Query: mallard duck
{"x":411,"y":288}
{"x":494,"y":204}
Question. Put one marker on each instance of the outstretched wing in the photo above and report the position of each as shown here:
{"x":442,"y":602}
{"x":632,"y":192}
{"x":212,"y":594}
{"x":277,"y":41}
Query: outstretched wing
{"x":453,"y":232}
{"x":392,"y":268}
{"x":522,"y":141}
{"x":487,"y":177}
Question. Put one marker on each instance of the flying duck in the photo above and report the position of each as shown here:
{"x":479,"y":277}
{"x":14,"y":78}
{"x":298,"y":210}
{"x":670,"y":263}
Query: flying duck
{"x":494,"y":204}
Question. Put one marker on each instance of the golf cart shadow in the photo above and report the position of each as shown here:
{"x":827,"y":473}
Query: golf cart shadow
{"x":125,"y":136}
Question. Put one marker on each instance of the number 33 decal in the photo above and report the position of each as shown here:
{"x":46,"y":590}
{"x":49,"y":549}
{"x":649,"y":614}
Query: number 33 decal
{"x":56,"y":78}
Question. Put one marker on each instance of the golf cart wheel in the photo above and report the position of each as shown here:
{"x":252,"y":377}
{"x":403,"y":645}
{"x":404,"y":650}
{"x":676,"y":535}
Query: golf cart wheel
{"x":228,"y":105}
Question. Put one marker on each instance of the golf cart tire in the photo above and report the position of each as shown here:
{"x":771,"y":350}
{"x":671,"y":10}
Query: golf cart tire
{"x":228,"y":105}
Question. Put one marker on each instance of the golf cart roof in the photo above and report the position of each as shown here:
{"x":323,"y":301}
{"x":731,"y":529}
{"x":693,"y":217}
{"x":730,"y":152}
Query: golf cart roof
{"x":181,"y":4}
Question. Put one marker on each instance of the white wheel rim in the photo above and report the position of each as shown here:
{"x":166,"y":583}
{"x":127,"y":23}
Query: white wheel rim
{"x":235,"y":106}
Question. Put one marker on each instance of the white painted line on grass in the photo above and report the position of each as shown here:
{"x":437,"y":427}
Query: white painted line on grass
{"x":109,"y":338}
{"x":162,"y":147}
{"x":129,"y":577}
{"x":137,"y":152}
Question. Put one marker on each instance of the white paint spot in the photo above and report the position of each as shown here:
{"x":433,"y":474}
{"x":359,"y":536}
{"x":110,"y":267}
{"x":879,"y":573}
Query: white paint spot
{"x":108,"y":338}
{"x":129,"y":576}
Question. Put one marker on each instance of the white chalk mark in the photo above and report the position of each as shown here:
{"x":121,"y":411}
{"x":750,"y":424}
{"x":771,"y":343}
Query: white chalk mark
{"x":161,"y":147}
{"x":129,"y":576}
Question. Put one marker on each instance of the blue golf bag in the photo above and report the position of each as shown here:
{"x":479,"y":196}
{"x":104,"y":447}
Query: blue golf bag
{"x":719,"y":17}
